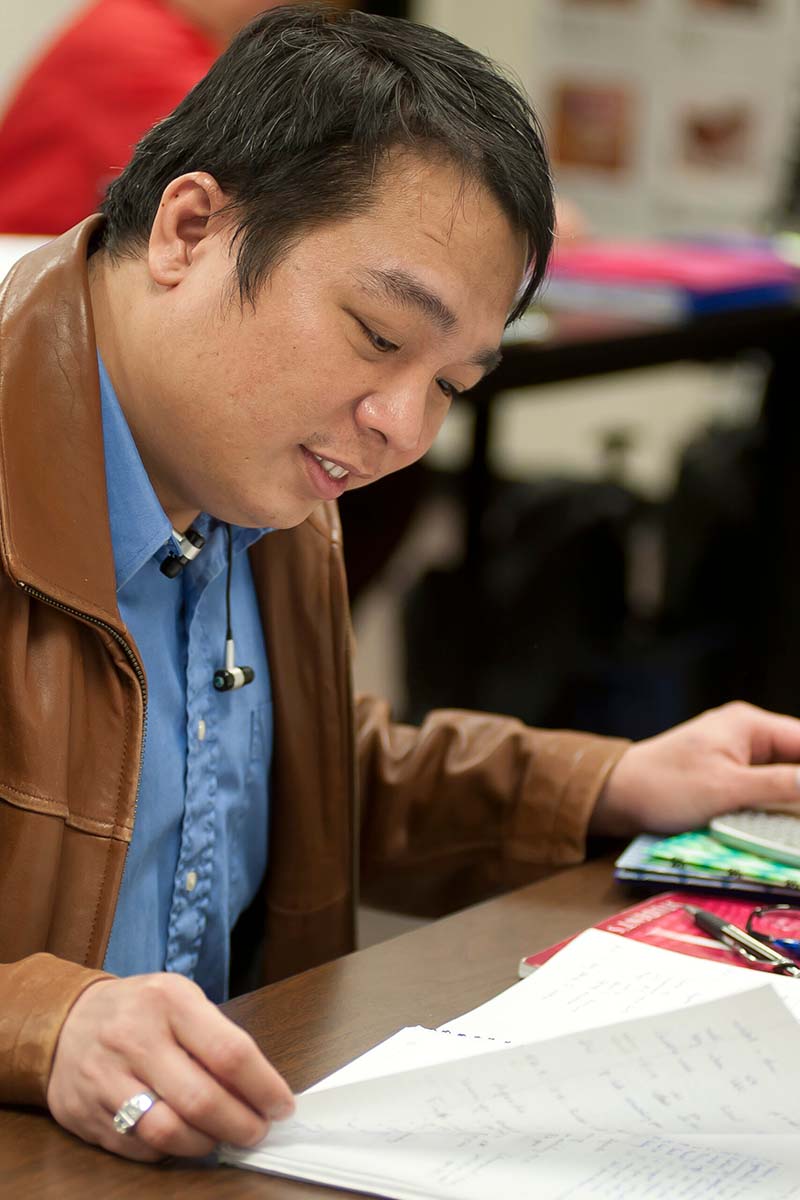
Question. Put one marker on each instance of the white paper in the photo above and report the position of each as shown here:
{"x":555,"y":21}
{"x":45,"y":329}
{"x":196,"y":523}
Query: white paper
{"x":406,"y":1050}
{"x":692,"y":1103}
{"x":599,"y":978}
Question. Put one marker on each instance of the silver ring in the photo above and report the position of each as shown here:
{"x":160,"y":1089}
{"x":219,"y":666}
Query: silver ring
{"x":128,"y":1115}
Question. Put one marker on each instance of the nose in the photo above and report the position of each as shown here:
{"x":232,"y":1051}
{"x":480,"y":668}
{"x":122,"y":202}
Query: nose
{"x":398,"y":416}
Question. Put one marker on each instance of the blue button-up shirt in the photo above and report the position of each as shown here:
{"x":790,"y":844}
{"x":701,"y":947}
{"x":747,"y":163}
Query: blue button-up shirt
{"x":199,"y":845}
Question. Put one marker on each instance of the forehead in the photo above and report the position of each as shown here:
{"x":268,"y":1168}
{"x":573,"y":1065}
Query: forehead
{"x":430,"y":217}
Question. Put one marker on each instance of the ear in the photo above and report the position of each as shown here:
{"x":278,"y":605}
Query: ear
{"x":181,"y":225}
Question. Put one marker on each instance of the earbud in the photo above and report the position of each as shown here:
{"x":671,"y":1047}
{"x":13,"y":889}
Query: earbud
{"x":230,"y":676}
{"x":190,"y":544}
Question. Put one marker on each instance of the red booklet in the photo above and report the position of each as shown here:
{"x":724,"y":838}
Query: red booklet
{"x":667,"y":280}
{"x":662,"y":921}
{"x":694,"y":265}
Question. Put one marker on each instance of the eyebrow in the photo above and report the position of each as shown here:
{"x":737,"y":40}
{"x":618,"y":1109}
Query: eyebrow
{"x":406,"y":291}
{"x":488,"y":359}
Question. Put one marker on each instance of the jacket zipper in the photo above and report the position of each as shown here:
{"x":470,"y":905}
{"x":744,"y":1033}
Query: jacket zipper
{"x":120,"y":640}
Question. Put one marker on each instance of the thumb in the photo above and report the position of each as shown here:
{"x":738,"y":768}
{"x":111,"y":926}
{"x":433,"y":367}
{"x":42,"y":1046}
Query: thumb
{"x":773,"y":788}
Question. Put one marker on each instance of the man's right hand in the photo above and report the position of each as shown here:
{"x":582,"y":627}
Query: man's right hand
{"x":160,"y":1033}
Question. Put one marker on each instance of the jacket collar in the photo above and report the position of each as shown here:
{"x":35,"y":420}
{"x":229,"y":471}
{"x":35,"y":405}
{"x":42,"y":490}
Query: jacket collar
{"x":54,"y":528}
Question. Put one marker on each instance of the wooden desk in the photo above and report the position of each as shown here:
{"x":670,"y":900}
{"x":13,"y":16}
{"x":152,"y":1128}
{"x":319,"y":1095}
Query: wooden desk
{"x":315,"y":1022}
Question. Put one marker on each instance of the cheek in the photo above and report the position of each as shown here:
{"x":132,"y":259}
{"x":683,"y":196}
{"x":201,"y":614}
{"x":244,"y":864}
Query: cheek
{"x":236,"y":381}
{"x":435,"y":418}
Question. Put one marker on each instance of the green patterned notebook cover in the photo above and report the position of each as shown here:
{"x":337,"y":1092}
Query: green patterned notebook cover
{"x":700,"y":849}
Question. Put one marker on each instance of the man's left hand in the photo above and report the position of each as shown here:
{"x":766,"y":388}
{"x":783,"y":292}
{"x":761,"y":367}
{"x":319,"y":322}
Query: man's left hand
{"x":733,"y":757}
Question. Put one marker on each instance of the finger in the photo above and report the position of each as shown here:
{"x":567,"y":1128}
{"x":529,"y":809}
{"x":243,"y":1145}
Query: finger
{"x":774,"y":788}
{"x":162,"y":1137}
{"x":230,"y":1055}
{"x":125,"y":1146}
{"x":159,"y":1131}
{"x":95,"y":1124}
{"x":203,"y":1103}
{"x":773,"y":737}
{"x":164,"y":1131}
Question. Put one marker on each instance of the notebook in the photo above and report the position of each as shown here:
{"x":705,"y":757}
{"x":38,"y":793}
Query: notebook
{"x":698,"y":860}
{"x":617,"y":1070}
{"x":663,"y":921}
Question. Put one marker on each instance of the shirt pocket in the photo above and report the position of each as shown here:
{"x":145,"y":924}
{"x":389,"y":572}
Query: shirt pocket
{"x":260,"y":741}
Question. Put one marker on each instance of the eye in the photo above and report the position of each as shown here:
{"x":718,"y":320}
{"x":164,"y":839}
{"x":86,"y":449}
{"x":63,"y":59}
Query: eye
{"x":381,"y":344}
{"x":448,"y":389}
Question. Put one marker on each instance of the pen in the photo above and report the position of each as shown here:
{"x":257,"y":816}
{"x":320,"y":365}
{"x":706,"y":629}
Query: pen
{"x":741,"y":941}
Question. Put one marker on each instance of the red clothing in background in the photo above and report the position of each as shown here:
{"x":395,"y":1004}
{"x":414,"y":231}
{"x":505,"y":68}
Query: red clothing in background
{"x":119,"y":67}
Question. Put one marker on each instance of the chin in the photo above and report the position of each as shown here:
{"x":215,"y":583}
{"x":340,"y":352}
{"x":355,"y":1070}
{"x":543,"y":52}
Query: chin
{"x":292,"y":520}
{"x":254,"y":504}
{"x":275,"y":516}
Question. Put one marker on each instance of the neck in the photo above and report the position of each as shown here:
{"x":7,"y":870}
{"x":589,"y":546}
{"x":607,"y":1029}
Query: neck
{"x":110,"y":288}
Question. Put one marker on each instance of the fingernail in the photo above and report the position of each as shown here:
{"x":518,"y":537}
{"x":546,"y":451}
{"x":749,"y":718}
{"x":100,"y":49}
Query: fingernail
{"x":281,"y":1111}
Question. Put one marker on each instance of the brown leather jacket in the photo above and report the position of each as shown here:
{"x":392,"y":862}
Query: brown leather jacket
{"x":465,"y":804}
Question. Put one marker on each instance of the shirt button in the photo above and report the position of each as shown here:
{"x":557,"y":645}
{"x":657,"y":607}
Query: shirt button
{"x":201,"y":731}
{"x":191,"y":881}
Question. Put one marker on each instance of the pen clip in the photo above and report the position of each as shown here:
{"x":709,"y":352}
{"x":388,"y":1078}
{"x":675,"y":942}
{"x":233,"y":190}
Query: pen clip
{"x":754,"y":958}
{"x":784,"y":967}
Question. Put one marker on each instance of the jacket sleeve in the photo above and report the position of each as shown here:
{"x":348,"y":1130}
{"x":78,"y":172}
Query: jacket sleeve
{"x":36,"y":994}
{"x":469,"y":804}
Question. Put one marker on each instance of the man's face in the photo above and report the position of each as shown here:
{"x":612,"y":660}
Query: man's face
{"x":343,"y":370}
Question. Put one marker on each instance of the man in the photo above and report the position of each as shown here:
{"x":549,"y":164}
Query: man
{"x":298,"y":269}
{"x":115,"y":69}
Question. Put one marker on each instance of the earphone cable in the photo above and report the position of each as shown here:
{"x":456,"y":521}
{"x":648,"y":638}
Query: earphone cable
{"x":229,"y":631}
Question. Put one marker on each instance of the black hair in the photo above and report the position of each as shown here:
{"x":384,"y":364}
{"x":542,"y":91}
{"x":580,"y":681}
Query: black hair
{"x":294,"y":119}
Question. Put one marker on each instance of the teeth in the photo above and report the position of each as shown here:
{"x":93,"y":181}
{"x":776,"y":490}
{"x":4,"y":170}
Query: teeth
{"x":330,"y":468}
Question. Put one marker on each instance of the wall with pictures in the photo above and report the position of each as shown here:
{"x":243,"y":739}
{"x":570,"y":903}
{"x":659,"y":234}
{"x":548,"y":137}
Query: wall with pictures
{"x":673,"y":115}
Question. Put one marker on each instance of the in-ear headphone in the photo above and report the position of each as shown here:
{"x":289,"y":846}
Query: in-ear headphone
{"x":190,"y":544}
{"x":229,"y":677}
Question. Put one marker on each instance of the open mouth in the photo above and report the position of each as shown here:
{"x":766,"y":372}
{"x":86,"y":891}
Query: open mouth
{"x":330,"y":468}
{"x":328,"y":479}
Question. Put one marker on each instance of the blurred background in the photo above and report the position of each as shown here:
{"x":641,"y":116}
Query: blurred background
{"x":602,"y":537}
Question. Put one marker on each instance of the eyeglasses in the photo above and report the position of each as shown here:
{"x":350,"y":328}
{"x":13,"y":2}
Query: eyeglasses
{"x":777,"y":925}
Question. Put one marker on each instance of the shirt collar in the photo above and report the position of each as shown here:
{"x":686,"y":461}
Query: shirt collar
{"x":139,"y":525}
